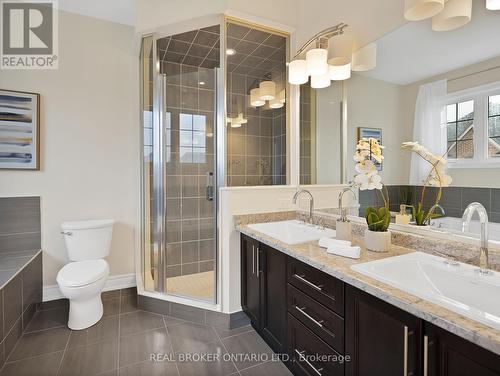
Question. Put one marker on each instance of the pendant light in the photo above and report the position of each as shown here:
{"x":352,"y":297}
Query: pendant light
{"x":297,"y":72}
{"x":340,"y":73}
{"x":267,"y":90}
{"x":275,"y":103}
{"x":320,"y":81}
{"x":255,"y":100}
{"x":316,"y":61}
{"x":365,"y":58}
{"x":455,"y":14}
{"x":340,"y":50}
{"x":417,"y":10}
{"x":493,"y":4}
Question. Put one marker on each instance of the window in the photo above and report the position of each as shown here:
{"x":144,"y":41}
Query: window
{"x":472,"y":119}
{"x":192,"y":138}
{"x":460,"y":130}
{"x":494,"y":126}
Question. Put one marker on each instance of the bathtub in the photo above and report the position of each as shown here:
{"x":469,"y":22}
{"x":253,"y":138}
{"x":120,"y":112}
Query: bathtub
{"x":454,"y":225}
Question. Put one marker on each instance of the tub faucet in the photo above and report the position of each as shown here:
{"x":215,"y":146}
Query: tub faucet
{"x":483,"y":219}
{"x":311,"y":201}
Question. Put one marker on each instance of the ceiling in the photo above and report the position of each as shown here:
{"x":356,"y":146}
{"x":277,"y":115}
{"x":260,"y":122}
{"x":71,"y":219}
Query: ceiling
{"x":198,"y":48}
{"x":119,"y":11}
{"x":415,"y":52}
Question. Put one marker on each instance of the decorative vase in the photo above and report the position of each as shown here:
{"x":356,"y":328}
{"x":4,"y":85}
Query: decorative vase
{"x":377,"y":241}
{"x":343,"y":230}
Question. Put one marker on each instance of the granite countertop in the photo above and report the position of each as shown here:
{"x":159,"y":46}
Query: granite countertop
{"x":340,"y":267}
{"x":12,"y":263}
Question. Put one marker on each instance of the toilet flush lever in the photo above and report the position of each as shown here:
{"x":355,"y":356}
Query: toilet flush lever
{"x":69,"y":233}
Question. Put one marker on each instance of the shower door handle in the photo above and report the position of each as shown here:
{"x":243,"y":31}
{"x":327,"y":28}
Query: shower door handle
{"x":210,"y":186}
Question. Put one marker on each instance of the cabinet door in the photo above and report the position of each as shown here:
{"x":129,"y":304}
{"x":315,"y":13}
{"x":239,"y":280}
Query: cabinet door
{"x":250,"y":280}
{"x":273,"y":276}
{"x":380,"y":338}
{"x":446,"y":354}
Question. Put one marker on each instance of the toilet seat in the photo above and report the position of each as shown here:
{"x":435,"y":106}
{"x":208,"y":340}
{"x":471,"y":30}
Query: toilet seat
{"x":82,"y":273}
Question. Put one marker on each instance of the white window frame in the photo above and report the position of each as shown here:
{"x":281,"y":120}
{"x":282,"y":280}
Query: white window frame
{"x":479,"y":95}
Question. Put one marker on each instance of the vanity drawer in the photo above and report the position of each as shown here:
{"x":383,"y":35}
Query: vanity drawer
{"x":309,"y":355}
{"x":323,"y":322}
{"x":326,"y":289}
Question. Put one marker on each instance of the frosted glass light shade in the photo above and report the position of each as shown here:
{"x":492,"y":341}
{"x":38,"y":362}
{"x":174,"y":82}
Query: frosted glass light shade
{"x":282,"y":96}
{"x":255,"y":100}
{"x":417,"y":10}
{"x":297,"y":72}
{"x":455,"y":14}
{"x":340,"y":73}
{"x":493,"y":4}
{"x":234,"y":124}
{"x":275,"y":103}
{"x":267,"y":90}
{"x":316,"y":61}
{"x":365,"y":58}
{"x":340,"y":50}
{"x":320,"y":81}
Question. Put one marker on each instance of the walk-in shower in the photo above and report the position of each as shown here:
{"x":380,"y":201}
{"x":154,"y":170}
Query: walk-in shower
{"x":202,"y":129}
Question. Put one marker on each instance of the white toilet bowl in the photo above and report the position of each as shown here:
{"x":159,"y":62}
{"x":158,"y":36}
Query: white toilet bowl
{"x":82,"y":282}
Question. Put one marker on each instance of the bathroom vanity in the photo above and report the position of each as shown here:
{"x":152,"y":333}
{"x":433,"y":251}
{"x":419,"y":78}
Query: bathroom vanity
{"x":304,"y":302}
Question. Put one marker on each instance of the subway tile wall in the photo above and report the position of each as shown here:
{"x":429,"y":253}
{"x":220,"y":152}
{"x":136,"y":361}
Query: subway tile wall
{"x":454,"y":199}
{"x":19,"y":223}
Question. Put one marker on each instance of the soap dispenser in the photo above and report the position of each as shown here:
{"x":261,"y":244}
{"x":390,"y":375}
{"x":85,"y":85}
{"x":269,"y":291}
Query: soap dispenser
{"x":403,"y":218}
{"x":343,"y":227}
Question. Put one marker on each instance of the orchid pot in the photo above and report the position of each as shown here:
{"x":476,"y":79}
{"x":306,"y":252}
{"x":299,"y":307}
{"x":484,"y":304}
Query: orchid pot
{"x":377,"y":241}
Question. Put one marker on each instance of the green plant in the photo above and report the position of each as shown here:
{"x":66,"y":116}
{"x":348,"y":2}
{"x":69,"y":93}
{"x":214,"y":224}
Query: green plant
{"x":421,"y":216}
{"x":406,"y":196}
{"x":378,"y":219}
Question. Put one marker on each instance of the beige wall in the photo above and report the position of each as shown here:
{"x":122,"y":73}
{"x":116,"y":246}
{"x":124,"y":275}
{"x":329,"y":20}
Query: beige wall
{"x":377,"y":104}
{"x":464,"y":78}
{"x":89,"y":138}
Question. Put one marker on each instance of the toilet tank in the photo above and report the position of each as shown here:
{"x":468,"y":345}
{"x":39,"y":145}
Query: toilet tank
{"x":87,"y":240}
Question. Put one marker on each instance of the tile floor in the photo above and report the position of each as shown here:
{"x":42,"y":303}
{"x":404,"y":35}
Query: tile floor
{"x":122,"y":342}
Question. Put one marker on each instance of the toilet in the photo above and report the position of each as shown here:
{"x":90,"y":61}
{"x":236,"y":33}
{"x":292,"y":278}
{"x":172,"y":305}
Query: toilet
{"x":82,"y":280}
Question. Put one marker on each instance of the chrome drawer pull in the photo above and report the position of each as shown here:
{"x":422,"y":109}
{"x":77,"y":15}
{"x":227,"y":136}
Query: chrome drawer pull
{"x":302,"y":310}
{"x":302,"y":279}
{"x":302,"y":357}
{"x":253,"y":259}
{"x":258,"y":263}
{"x":405,"y":351}
{"x":426,"y":355}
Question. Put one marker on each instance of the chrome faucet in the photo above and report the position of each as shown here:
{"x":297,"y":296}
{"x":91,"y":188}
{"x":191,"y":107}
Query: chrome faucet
{"x":342,"y":211}
{"x":433,"y":209}
{"x":311,"y":201}
{"x":483,"y":218}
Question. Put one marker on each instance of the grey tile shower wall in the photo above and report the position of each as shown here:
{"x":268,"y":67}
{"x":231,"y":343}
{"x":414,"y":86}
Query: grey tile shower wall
{"x":252,"y":157}
{"x":190,"y":231}
{"x":18,"y":301}
{"x":306,"y":135}
{"x":19,"y":223}
{"x":454,"y":199}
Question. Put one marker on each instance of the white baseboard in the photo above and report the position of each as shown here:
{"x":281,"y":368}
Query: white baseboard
{"x":114,"y":282}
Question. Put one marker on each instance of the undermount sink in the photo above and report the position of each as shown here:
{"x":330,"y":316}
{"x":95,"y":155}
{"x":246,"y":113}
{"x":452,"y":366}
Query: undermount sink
{"x":456,"y":287}
{"x":293,"y":231}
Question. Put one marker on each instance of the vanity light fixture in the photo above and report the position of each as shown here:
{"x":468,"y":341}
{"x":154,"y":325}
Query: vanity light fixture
{"x":230,"y":52}
{"x":417,"y":10}
{"x":201,"y":83}
{"x":238,"y":121}
{"x":255,"y":100}
{"x":282,"y":96}
{"x":267,"y":90}
{"x":275,"y":103}
{"x":331,"y":58}
{"x":493,"y":4}
{"x":456,"y":13}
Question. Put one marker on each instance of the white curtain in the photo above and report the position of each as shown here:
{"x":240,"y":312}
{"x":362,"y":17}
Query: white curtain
{"x":429,"y":127}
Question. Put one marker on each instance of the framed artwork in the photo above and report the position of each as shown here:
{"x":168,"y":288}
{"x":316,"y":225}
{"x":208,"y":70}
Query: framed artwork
{"x":376,"y":133}
{"x":19,"y":130}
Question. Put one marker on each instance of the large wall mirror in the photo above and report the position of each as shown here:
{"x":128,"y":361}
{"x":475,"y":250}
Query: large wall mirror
{"x":420,"y":74}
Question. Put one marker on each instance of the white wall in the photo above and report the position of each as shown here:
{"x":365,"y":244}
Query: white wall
{"x":89,"y":137}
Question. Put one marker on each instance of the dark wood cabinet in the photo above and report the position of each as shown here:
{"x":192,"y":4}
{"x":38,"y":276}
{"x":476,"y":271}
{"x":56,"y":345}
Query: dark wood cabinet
{"x":446,"y":354}
{"x":380,"y":338}
{"x":250,"y":280}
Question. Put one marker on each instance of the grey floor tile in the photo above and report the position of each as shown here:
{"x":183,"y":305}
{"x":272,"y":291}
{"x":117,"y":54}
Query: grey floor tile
{"x":109,"y":373}
{"x":129,"y":291}
{"x":111,"y":307}
{"x":59,"y":303}
{"x":105,"y":329}
{"x":113,"y":294}
{"x":185,"y":312}
{"x":48,"y":319}
{"x":139,"y":347}
{"x":45,"y":365}
{"x":128,"y":303}
{"x":271,"y":368}
{"x":187,"y":335}
{"x":204,"y":359}
{"x":224,"y":333}
{"x":38,"y":343}
{"x":247,"y":343}
{"x":90,"y":360}
{"x":170,"y":321}
{"x":139,"y":321}
{"x":150,"y":368}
